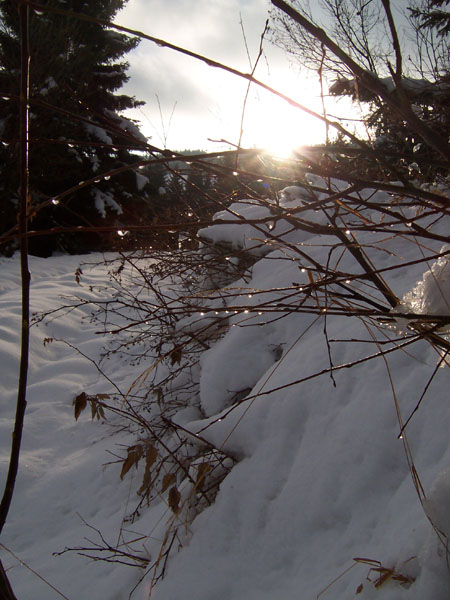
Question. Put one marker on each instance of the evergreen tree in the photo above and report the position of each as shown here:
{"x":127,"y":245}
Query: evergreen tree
{"x":433,"y":15}
{"x":76,"y":131}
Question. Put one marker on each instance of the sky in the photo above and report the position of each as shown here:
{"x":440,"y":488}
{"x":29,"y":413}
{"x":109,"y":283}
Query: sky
{"x":189,"y":103}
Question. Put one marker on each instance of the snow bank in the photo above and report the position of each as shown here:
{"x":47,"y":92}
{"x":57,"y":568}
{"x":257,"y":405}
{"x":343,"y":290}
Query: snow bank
{"x":323,"y":476}
{"x":269,"y":225}
{"x":64,"y":486}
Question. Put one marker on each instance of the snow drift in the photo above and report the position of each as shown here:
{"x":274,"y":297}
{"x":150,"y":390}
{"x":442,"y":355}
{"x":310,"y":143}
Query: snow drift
{"x":324,"y":500}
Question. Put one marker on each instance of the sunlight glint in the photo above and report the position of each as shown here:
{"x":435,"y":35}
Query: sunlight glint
{"x":280,"y":129}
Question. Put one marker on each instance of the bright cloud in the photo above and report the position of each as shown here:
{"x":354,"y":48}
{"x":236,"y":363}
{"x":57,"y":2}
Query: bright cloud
{"x":188,"y":102}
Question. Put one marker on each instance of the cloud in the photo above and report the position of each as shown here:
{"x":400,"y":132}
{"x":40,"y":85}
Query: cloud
{"x":210,"y":27}
{"x":208,"y":100}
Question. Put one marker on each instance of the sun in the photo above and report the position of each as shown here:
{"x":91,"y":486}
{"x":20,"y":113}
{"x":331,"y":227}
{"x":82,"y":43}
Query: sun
{"x":270,"y":123}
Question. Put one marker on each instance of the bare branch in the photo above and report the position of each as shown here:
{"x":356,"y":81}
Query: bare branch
{"x":370,"y":81}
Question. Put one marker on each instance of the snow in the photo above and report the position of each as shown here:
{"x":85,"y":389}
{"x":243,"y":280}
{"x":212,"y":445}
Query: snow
{"x":431,"y":295}
{"x":49,"y":84}
{"x":322,"y":476}
{"x":253,"y":238}
{"x":259,"y":224}
{"x":247,"y":356}
{"x":103,"y":200}
{"x":415,"y":87}
{"x":62,"y":480}
{"x":141,"y":181}
{"x":98,"y":132}
{"x":127,"y":125}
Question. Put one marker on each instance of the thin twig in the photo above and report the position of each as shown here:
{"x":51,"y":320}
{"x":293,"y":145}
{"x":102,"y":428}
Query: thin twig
{"x":24,"y":564}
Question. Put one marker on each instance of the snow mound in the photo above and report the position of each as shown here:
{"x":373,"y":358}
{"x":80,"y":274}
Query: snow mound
{"x":431,"y":295}
{"x":322,"y":474}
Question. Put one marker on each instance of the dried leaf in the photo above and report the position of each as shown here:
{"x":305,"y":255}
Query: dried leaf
{"x":145,"y":486}
{"x":79,"y":403}
{"x":102,"y":396}
{"x":175,"y":355}
{"x":150,"y":457}
{"x":134,"y":453}
{"x":159,"y":394}
{"x":360,"y":588}
{"x":96,"y":407}
{"x":78,"y":274}
{"x":168,"y":479}
{"x":385,"y":575}
{"x":202,"y":470}
{"x":174,"y":499}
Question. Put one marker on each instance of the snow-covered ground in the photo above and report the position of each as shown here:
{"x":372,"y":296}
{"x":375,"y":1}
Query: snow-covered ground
{"x":322,"y":476}
{"x":63,"y":482}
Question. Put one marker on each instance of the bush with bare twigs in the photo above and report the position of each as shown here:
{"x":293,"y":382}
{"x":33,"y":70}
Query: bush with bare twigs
{"x":339,"y":222}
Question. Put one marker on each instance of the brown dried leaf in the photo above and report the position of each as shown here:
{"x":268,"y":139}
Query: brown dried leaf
{"x":150,"y":456}
{"x":168,"y":479}
{"x":145,"y":486}
{"x":160,"y":396}
{"x":174,"y":499}
{"x":134,"y":453}
{"x":79,"y":403}
{"x":96,"y":408}
{"x":385,"y":575}
{"x":175,"y":355}
{"x":202,"y":470}
{"x":360,"y":588}
{"x":78,"y":274}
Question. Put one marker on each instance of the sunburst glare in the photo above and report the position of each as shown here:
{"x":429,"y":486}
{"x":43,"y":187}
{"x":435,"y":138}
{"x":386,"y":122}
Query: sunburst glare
{"x":272,"y":124}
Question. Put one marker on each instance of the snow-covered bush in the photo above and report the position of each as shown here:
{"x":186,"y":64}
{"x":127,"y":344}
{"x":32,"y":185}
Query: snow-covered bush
{"x":248,"y":348}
